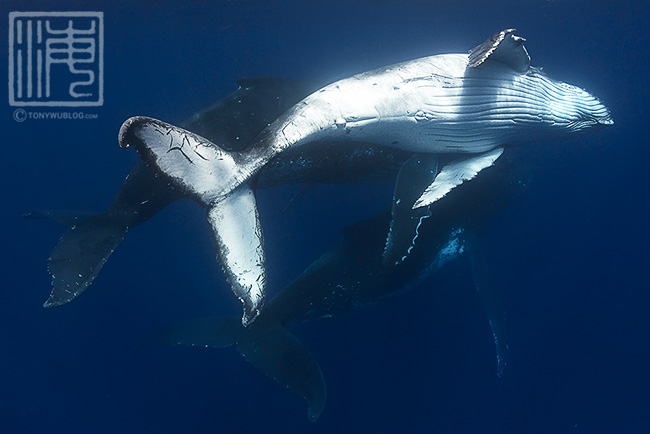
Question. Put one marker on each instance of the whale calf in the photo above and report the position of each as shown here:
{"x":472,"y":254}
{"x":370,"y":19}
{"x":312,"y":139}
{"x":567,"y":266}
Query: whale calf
{"x":351,"y":276}
{"x":465,"y":107}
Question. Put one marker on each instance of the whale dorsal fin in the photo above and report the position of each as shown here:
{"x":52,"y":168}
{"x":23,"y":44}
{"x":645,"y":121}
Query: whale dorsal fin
{"x":503,"y":47}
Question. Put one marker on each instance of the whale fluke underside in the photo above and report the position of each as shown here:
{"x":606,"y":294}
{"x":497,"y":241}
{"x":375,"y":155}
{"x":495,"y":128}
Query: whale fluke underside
{"x":237,"y":234}
{"x":196,"y":166}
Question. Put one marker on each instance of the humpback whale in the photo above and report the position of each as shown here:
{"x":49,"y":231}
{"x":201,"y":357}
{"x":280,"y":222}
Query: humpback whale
{"x":233,"y":122}
{"x":464,"y":107}
{"x":351,"y":276}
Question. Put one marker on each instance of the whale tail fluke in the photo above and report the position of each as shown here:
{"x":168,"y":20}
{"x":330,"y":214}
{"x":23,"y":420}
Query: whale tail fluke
{"x":218,"y":180}
{"x":272,"y":349}
{"x":195,"y":165}
{"x":81,"y":252}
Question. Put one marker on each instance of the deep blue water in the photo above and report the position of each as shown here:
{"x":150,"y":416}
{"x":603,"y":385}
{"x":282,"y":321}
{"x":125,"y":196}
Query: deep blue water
{"x":571,"y":256}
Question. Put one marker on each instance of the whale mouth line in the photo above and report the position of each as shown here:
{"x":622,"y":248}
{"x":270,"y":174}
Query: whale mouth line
{"x":609,"y":120}
{"x":600,"y":121}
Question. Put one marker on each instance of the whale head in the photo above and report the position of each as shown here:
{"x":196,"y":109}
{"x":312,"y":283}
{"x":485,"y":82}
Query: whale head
{"x":568,"y":109}
{"x":539,"y":107}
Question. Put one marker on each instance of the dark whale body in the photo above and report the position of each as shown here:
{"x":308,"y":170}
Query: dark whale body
{"x":352,"y":275}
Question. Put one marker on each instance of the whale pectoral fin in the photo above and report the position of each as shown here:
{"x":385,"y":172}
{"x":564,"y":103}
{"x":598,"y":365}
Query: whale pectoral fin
{"x":502,"y":47}
{"x":455,"y":173}
{"x":272,"y":349}
{"x":414,"y":176}
{"x":283,"y":358}
{"x":237,"y":233}
{"x":490,"y":299}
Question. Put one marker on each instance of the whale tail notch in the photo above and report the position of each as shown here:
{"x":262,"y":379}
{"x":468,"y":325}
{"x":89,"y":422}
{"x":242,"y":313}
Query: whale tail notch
{"x":272,"y":350}
{"x":81,"y":252}
{"x":218,"y":180}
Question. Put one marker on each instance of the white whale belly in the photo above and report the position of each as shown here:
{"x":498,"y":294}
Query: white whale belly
{"x":428,"y":105}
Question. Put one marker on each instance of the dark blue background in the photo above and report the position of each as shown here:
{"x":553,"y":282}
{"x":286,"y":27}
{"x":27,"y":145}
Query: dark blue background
{"x":571,"y":257}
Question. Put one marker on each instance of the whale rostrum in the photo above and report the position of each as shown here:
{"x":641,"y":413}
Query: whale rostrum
{"x":467,"y":107}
